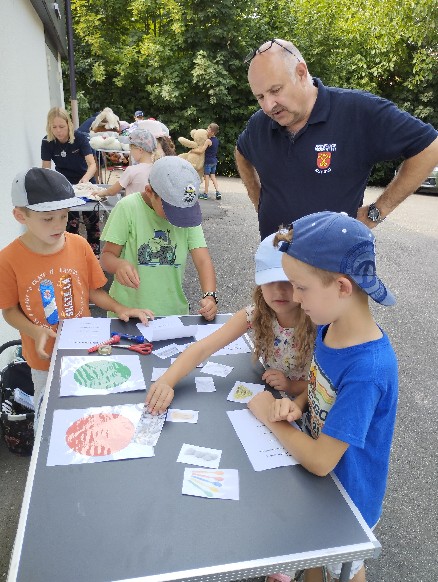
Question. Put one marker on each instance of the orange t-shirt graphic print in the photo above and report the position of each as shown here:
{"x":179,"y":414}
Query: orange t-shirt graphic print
{"x":48,"y":288}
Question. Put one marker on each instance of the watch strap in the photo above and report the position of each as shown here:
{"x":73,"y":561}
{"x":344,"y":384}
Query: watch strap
{"x":210,"y":294}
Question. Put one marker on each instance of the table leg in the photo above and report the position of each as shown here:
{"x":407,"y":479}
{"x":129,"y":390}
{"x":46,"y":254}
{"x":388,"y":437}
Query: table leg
{"x":345,"y":572}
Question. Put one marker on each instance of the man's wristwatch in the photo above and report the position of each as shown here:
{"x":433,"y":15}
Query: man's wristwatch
{"x":210,"y":294}
{"x":374,"y":214}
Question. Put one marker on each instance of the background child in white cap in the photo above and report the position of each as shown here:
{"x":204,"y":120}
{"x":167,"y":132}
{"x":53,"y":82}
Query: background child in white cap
{"x":166,"y":147}
{"x":350,"y":406}
{"x":48,"y":274}
{"x":283,"y":334}
{"x":143,"y":146}
{"x":148,"y":236}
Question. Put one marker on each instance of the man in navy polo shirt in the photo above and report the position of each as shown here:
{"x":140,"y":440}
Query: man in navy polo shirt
{"x":311,"y":148}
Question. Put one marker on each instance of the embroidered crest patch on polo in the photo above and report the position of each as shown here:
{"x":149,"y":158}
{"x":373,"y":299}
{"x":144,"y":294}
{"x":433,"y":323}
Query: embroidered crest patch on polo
{"x":323,"y":160}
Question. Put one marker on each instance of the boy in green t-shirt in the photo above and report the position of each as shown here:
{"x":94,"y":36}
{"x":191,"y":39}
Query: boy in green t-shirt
{"x":148,"y":236}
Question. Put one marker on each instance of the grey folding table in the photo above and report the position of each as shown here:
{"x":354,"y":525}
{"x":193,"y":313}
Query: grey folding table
{"x":128,"y":520}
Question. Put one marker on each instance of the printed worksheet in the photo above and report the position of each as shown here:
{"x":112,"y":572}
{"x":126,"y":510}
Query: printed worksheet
{"x":93,"y":375}
{"x":84,"y":332}
{"x":94,"y":435}
{"x":264,"y":450}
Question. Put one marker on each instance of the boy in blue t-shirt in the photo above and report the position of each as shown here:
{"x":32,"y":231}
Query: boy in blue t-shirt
{"x":350,"y":406}
{"x":210,"y":147}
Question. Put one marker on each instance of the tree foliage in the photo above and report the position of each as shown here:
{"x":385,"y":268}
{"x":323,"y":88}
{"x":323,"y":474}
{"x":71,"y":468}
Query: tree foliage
{"x":182,"y":60}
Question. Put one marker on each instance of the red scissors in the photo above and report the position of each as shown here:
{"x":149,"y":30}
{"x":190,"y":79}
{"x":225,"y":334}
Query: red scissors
{"x":143,"y":349}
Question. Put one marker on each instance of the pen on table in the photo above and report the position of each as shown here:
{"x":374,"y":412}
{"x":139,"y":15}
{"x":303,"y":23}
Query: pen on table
{"x":139,"y":339}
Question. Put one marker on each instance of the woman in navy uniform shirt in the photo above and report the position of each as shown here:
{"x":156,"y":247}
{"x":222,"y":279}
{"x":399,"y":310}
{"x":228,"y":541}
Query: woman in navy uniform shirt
{"x":73,"y":157}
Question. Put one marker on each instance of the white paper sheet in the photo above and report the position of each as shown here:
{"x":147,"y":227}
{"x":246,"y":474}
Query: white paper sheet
{"x":239,"y":346}
{"x":166,"y":328}
{"x":95,"y":435}
{"x":84,"y":332}
{"x":97,"y":375}
{"x":211,"y":483}
{"x":264,"y":450}
{"x":171,"y":321}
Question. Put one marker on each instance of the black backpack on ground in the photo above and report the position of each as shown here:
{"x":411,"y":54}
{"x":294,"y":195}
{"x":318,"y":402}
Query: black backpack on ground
{"x":16,"y":420}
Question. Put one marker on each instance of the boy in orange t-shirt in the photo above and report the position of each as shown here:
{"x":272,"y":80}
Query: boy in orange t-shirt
{"x":47,"y":274}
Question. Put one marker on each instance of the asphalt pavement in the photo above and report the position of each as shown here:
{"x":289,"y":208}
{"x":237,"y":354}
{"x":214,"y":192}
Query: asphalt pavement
{"x":407,"y":253}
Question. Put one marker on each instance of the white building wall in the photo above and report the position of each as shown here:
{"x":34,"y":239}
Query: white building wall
{"x":25,"y":98}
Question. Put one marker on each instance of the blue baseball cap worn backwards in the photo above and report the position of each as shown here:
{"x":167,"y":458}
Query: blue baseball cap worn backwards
{"x":336,"y":242}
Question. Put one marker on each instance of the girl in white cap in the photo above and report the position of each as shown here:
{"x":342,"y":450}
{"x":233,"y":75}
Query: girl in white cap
{"x":143,"y":146}
{"x":283,"y":335}
{"x":166,"y":147}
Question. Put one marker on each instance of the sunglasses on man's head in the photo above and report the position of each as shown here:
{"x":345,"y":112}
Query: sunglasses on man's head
{"x":249,"y":57}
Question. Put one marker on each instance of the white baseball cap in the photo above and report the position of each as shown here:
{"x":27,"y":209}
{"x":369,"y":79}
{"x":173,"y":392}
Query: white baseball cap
{"x":156,"y":128}
{"x":268,"y":263}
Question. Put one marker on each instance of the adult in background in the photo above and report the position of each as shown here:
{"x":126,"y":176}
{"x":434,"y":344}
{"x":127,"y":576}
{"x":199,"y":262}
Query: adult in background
{"x":86,"y":125}
{"x":138,"y":116}
{"x":73,"y":157}
{"x":311,"y":148}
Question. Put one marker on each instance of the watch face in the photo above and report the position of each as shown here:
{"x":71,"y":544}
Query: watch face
{"x":373,"y":213}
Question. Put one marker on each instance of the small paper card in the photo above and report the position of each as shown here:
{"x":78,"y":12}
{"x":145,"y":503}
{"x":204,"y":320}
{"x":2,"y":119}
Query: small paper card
{"x":182,"y":347}
{"x":177,"y":415}
{"x":157,"y":373}
{"x":205,"y":384}
{"x":243,"y":391}
{"x":167,"y":351}
{"x":216,"y":369}
{"x":211,"y":483}
{"x":148,"y":429}
{"x":194,"y":455}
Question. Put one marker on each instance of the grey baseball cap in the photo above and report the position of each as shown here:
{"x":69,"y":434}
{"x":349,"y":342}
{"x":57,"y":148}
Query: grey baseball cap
{"x":177,"y":183}
{"x":42,"y":190}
